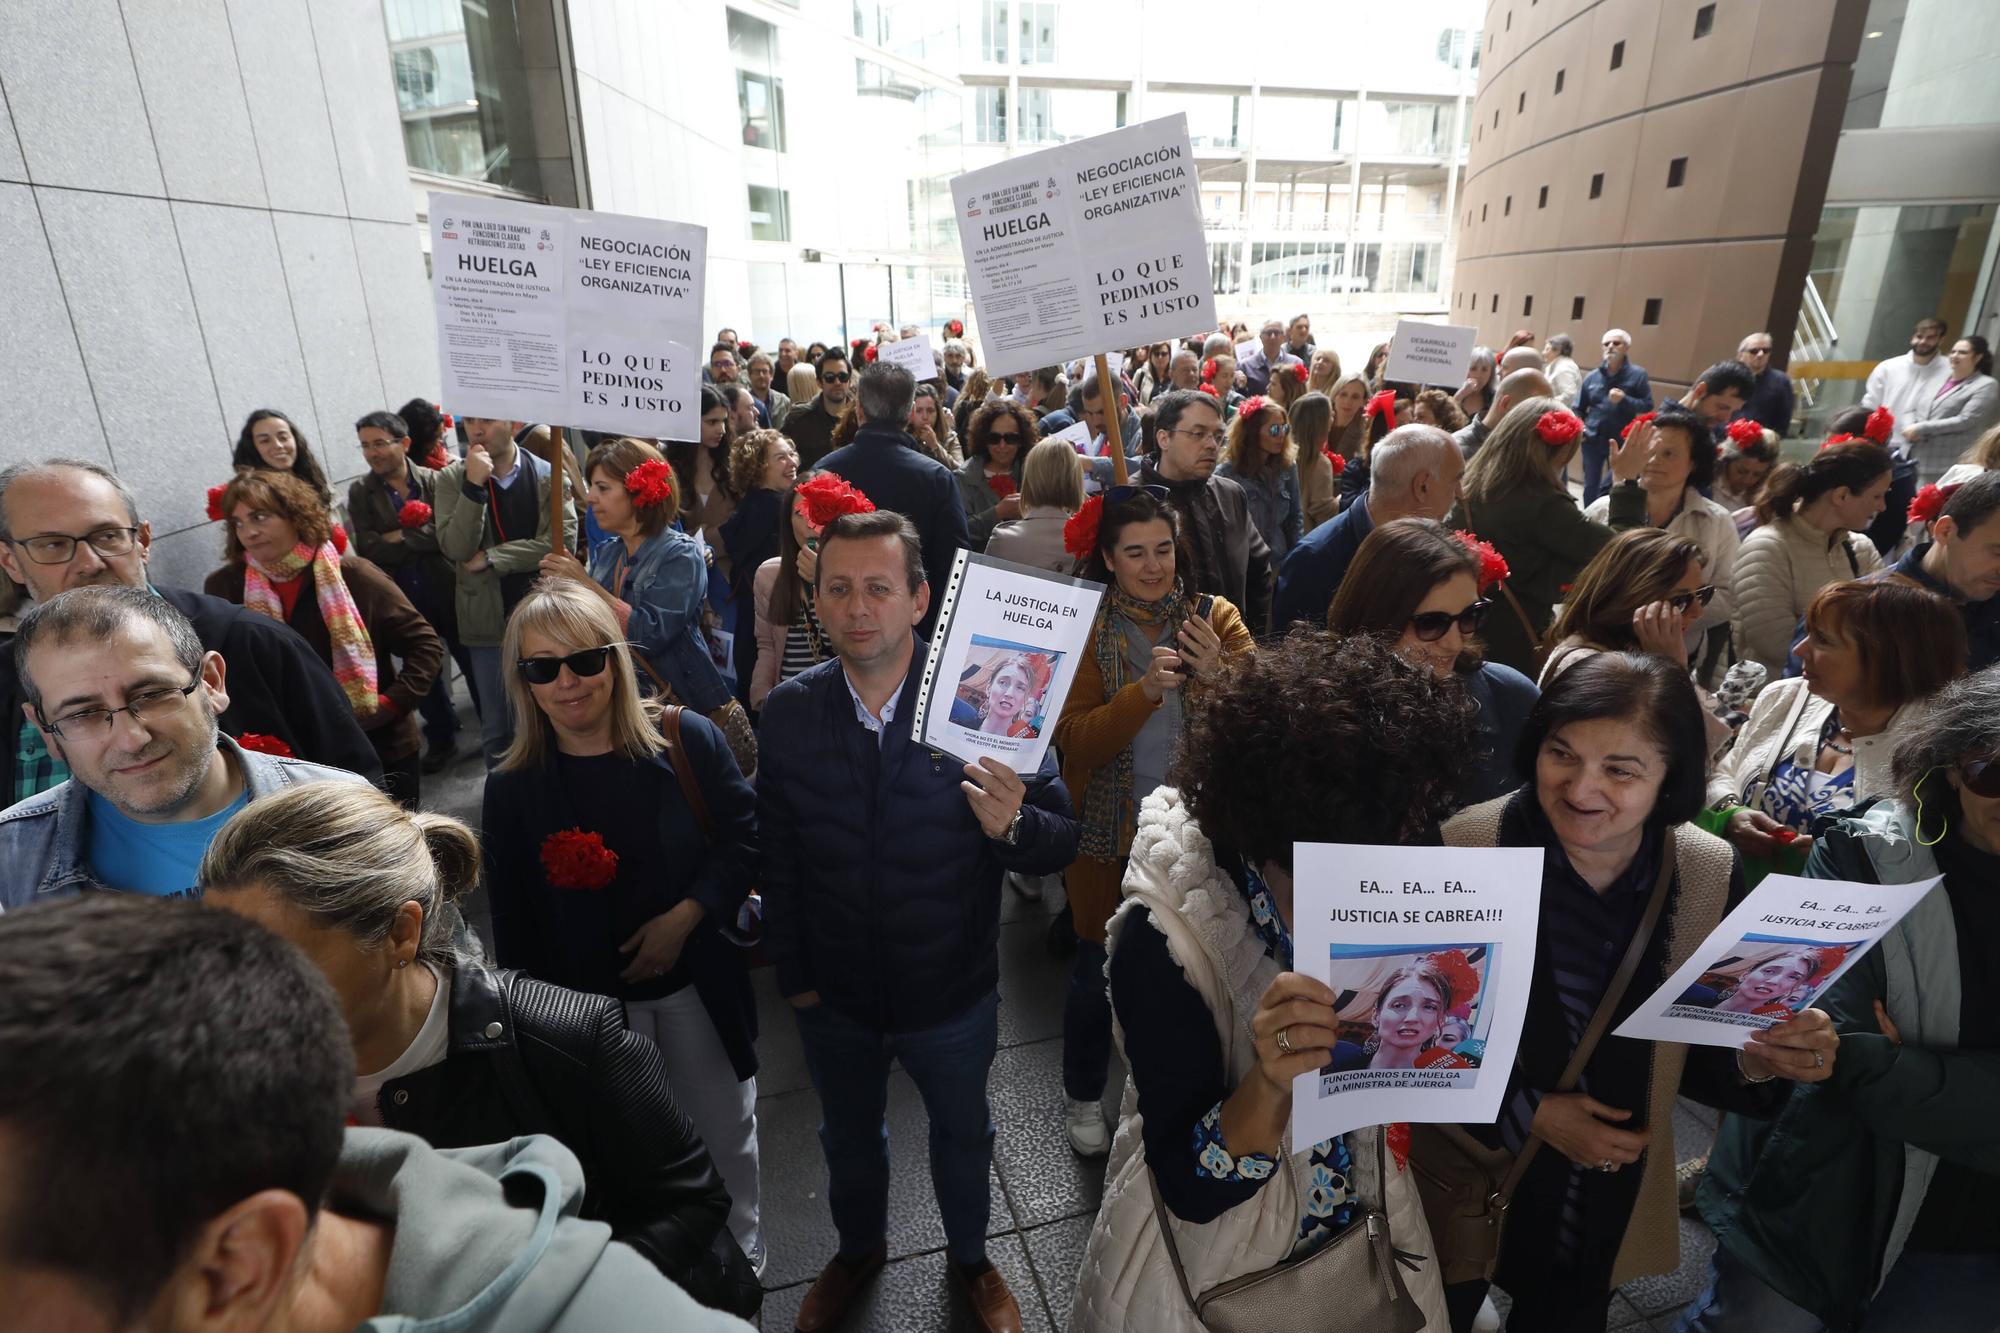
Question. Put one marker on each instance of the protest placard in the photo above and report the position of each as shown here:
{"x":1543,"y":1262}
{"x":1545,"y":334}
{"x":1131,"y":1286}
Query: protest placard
{"x":1429,"y":952}
{"x":1781,"y":949}
{"x":568,"y":317}
{"x":912,"y":354}
{"x":1088,"y":247}
{"x":1421,"y":353}
{"x":1007,"y":646}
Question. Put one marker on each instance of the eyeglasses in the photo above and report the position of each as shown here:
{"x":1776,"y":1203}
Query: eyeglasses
{"x":1278,"y":429}
{"x":544,"y":670}
{"x":1981,"y":777}
{"x":1004,"y":437}
{"x":1430,"y":626}
{"x":1120,"y":494}
{"x":54,"y":549}
{"x":1212,"y":436}
{"x":94,"y":724}
{"x":834,"y":377}
{"x":1681,"y":601}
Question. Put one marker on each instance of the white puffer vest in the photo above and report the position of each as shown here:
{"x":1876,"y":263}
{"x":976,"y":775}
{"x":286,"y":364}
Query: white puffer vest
{"x":1127,"y":1281}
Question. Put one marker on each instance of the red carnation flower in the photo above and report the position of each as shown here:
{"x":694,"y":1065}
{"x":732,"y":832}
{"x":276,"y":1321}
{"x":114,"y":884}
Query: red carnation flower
{"x":339,"y":540}
{"x":651,"y":483}
{"x":446,"y":418}
{"x":215,"y":514}
{"x":1833,"y":441}
{"x":1880,"y":426}
{"x":1002,"y":485}
{"x":1784,"y":836}
{"x":1208,"y":371}
{"x":827,"y":497}
{"x":869,"y":353}
{"x":746,"y":348}
{"x":1252,"y":405}
{"x":1211,"y":391}
{"x":954,"y":328}
{"x":1080,"y":532}
{"x":263,"y":744}
{"x":1339,"y":461}
{"x":1299,"y":371}
{"x":1929,"y":502}
{"x":1745,"y":431}
{"x":1458,"y":972}
{"x":1558,"y":428}
{"x":1493,"y":569}
{"x":1642,"y":419}
{"x":413,"y":514}
{"x":573,"y":859}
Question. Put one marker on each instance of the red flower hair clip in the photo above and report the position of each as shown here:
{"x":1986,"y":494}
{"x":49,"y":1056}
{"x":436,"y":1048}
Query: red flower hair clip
{"x":573,"y":859}
{"x":1211,"y":391}
{"x":1930,"y":502}
{"x":954,"y":328}
{"x":1339,"y":461}
{"x":1251,"y":406}
{"x":1080,"y":533}
{"x":1385,"y":404}
{"x":1208,"y":371}
{"x":413,"y":514}
{"x":1458,"y":972}
{"x":262,"y":744}
{"x":1299,"y":372}
{"x":339,"y":540}
{"x":215,"y":514}
{"x":1880,"y":426}
{"x":1493,"y":569}
{"x":1833,"y":441}
{"x":1002,"y":485}
{"x":745,"y":348}
{"x":827,"y":497}
{"x":869,"y":353}
{"x":1745,"y":431}
{"x":651,"y":483}
{"x":1639,"y":421}
{"x":1558,"y":428}
{"x":445,"y":419}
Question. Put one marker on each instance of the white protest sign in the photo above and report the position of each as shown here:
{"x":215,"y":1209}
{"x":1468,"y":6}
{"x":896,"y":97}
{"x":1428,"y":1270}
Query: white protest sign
{"x":568,"y":317}
{"x":1421,"y":353}
{"x":1781,"y":949}
{"x":912,"y":354}
{"x":1008,"y":642}
{"x":1089,"y":247}
{"x":1429,"y":952}
{"x":1078,"y":435}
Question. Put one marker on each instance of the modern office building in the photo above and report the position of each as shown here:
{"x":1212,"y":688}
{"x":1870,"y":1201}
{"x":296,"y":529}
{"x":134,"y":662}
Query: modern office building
{"x":1695,"y":170}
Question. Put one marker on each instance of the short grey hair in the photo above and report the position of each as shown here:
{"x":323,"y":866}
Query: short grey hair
{"x":957,"y":345}
{"x":94,"y":613}
{"x":1395,"y":460}
{"x":1562,"y":344}
{"x":1217,"y":342}
{"x":14,"y":472}
{"x":886,"y":393}
{"x":1961,"y":723}
{"x":1272,"y":323}
{"x":755,"y":357}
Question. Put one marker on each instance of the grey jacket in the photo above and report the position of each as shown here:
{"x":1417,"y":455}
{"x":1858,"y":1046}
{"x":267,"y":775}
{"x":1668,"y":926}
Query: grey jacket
{"x":487,"y":1240}
{"x":1952,"y":422}
{"x":42,"y":839}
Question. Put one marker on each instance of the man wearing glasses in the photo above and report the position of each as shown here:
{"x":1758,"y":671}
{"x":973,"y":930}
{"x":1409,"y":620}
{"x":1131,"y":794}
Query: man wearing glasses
{"x":1772,"y":399}
{"x":1612,"y":395}
{"x":1230,"y":557}
{"x":122,"y":691}
{"x":67,"y":523}
{"x":810,"y":426}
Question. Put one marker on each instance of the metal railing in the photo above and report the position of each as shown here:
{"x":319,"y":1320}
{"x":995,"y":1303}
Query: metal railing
{"x":1813,"y":339}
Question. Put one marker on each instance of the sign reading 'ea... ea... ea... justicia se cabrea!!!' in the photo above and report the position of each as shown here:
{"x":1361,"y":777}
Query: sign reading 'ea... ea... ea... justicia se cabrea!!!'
{"x":1428,"y":952}
{"x":568,"y":317}
{"x":1094,"y":246}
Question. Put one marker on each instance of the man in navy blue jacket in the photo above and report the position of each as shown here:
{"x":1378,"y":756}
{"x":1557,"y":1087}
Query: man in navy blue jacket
{"x":1612,"y":395}
{"x":885,"y":464}
{"x":881,"y":878}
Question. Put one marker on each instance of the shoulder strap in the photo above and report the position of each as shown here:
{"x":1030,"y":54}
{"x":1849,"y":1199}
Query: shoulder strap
{"x":1847,"y":546}
{"x":670,"y":727}
{"x":1621,"y":981}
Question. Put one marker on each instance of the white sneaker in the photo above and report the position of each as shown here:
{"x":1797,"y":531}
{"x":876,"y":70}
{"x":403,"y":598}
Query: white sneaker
{"x":1089,"y":1136}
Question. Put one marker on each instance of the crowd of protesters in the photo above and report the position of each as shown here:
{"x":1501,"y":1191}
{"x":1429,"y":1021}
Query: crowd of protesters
{"x":1669,"y":639}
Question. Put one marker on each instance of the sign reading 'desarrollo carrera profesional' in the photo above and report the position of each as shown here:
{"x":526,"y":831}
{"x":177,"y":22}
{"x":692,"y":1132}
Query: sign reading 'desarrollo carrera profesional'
{"x":1090,"y":247}
{"x":568,"y":317}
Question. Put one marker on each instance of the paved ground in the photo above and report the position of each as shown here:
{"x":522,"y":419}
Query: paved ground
{"x":1044,"y":1197}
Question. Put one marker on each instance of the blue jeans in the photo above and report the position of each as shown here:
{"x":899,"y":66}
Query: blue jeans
{"x":496,"y":719}
{"x":1086,"y":1052}
{"x":849,"y":1064}
{"x":1924,"y":1291}
{"x":1596,"y":453}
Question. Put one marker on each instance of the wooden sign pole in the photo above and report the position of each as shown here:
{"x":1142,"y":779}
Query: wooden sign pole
{"x":558,"y":488}
{"x":1114,"y":419}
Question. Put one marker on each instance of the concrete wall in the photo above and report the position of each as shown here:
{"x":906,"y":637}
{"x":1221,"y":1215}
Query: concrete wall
{"x":204,"y":209}
{"x":1753,"y":106}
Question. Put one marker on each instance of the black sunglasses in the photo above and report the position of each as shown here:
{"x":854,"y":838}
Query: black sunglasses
{"x":1681,"y":601}
{"x":1004,"y":436}
{"x":544,"y":670}
{"x":1981,"y":777}
{"x":1430,"y":626}
{"x":834,"y":377}
{"x":1120,"y":494}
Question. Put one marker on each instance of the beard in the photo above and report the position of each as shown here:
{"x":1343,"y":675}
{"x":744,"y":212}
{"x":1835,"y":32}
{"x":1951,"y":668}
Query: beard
{"x":188,"y":767}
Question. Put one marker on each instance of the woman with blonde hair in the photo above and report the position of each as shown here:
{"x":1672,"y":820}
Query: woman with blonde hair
{"x":1324,"y":372}
{"x":620,"y":843}
{"x":1348,"y":434}
{"x":461,"y":1053}
{"x":1261,"y":459}
{"x":1319,"y":492}
{"x":801,"y":379}
{"x":1051,"y":491}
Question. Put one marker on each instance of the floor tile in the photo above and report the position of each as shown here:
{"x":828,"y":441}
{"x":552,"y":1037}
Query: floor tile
{"x":1056,"y":1250}
{"x":1045,"y":1180}
{"x":1668,"y":1292}
{"x":915,"y":1294}
{"x":1033,"y":985}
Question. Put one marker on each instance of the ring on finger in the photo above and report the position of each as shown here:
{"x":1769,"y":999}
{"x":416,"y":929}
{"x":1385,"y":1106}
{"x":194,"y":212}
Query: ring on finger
{"x":1819,"y":1059}
{"x":1284,"y":1041}
{"x":1606,"y":1166}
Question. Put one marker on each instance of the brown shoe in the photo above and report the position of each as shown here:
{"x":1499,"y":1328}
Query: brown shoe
{"x":835,"y":1289}
{"x":991,"y":1301}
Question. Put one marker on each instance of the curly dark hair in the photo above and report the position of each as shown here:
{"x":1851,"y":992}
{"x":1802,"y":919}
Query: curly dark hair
{"x":1365,"y":746}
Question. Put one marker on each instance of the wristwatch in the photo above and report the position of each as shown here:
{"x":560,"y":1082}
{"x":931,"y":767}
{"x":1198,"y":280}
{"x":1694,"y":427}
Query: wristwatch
{"x":1012,"y":837}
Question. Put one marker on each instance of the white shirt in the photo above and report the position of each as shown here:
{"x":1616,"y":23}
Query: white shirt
{"x":1904,"y":387}
{"x":427,"y":1048}
{"x":878,"y":725}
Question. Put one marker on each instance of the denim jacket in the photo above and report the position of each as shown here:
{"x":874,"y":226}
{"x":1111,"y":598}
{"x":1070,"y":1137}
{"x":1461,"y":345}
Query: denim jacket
{"x":663,"y":586}
{"x":42,"y":855}
{"x":1275,"y":506}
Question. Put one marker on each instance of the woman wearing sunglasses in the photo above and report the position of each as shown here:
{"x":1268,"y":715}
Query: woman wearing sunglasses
{"x":615,"y":861}
{"x":989,"y":485}
{"x":1416,"y":585}
{"x":1155,"y":642}
{"x":1261,"y":459}
{"x":1817,"y":746}
{"x":1869,"y":1203}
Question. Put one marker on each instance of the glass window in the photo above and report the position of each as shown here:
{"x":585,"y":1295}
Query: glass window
{"x":875,"y":80}
{"x":1058,"y":115}
{"x":760,"y":102}
{"x":989,"y":115}
{"x":1213,"y":118}
{"x":993,"y":31}
{"x":1414,"y":128}
{"x":1225,"y":265}
{"x":456,"y":67}
{"x":752,"y":42}
{"x":770,"y":214}
{"x":1037,"y":30}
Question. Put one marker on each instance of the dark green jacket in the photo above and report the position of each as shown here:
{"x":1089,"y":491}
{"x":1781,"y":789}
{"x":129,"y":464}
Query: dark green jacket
{"x":1546,"y":541}
{"x":1819,"y":1201}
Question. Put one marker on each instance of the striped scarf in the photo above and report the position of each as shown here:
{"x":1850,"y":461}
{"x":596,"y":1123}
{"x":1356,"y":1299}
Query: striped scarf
{"x":353,"y":650}
{"x":1108,"y":805}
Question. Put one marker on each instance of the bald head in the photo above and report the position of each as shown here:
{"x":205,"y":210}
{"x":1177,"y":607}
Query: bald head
{"x":1518,"y":387}
{"x":1413,"y":471}
{"x":1520,"y":358}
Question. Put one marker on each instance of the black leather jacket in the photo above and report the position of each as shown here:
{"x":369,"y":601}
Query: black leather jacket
{"x":525,"y":1057}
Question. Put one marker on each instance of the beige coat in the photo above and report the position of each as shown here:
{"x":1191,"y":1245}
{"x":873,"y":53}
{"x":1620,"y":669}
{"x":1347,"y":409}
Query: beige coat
{"x":1785,"y":723}
{"x":1779,"y":569}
